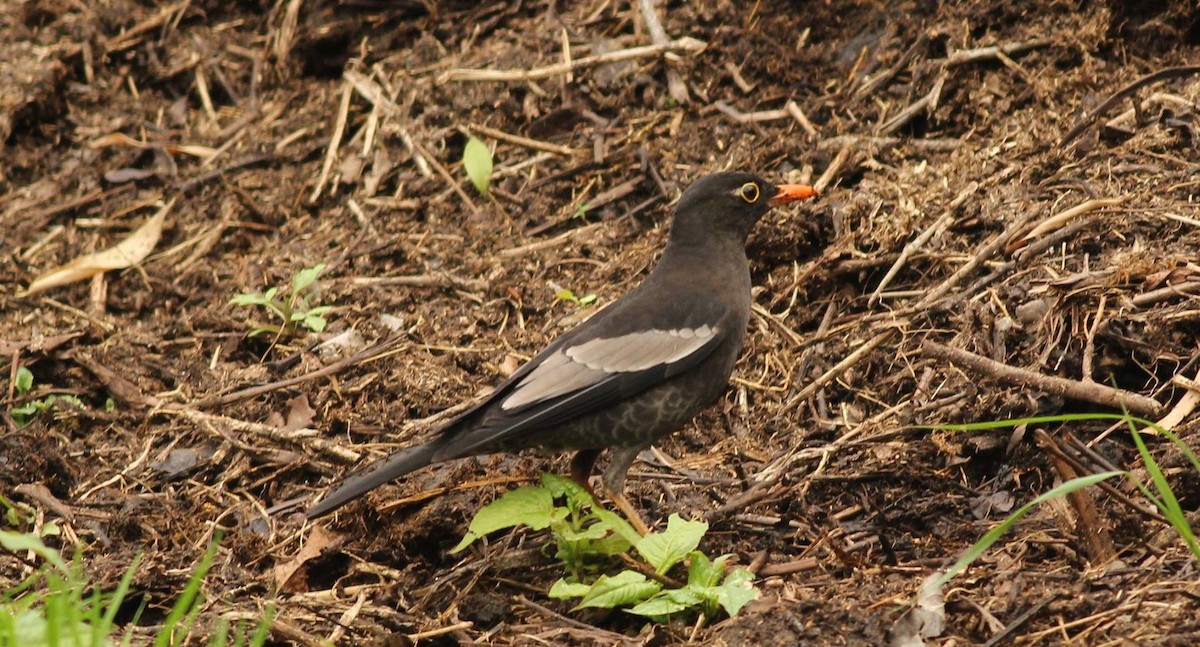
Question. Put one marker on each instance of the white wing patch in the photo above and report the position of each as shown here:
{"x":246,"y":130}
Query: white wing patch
{"x":576,"y":367}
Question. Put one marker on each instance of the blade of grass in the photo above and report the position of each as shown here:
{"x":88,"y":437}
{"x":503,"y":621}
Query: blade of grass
{"x":1169,"y":505}
{"x":1037,"y":420}
{"x":994,"y":534}
{"x":104,"y":626}
{"x":182,"y":610}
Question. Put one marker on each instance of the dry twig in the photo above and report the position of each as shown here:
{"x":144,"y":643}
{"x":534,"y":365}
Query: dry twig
{"x":685,"y":45}
{"x":833,"y":373}
{"x":1100,"y":394}
{"x":339,"y":127}
{"x":675,"y":85}
{"x":367,"y":354}
{"x":524,"y":141}
{"x":938,"y":225}
{"x":1116,"y":97}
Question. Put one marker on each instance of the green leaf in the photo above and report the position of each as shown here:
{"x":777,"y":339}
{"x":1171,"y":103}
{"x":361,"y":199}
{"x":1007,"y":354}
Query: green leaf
{"x":668,"y":602}
{"x":611,"y":545}
{"x":563,"y":294}
{"x":618,"y":524}
{"x":477,"y":160}
{"x":624,"y":588}
{"x":669,"y":547}
{"x":20,"y":542}
{"x":531,"y":506}
{"x":563,"y":590}
{"x":24,"y":381}
{"x":248,"y":299}
{"x":306,"y":277}
{"x":737,"y":591}
{"x":315,"y":323}
{"x":704,"y":572}
{"x":583,"y":301}
{"x":589,"y":534}
{"x":560,"y":486}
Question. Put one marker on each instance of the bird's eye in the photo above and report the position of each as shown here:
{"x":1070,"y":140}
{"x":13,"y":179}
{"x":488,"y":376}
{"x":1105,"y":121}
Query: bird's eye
{"x":749,"y":192}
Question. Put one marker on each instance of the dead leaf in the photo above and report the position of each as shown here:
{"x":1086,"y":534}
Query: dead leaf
{"x":115,"y":139}
{"x":126,"y":253}
{"x":318,"y":540}
{"x":986,"y":505}
{"x":299,"y":414}
{"x":178,"y":462}
{"x":926,"y":618}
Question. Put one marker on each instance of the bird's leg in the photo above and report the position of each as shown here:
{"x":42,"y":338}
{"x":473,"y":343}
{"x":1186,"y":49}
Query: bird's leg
{"x":614,"y":486}
{"x":581,"y":468}
{"x":630,"y":512}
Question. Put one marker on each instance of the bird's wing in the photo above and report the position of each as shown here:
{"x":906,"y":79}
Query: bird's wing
{"x":582,"y":374}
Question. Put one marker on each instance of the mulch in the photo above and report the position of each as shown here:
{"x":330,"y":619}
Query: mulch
{"x":1007,"y":230}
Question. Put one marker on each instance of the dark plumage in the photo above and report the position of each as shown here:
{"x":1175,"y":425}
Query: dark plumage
{"x":636,"y":371}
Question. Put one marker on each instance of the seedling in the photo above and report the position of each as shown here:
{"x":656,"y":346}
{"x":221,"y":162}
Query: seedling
{"x":589,"y":539}
{"x":21,"y":515}
{"x":24,"y":384}
{"x":294,"y":311}
{"x":477,"y":160}
{"x":564,"y":294}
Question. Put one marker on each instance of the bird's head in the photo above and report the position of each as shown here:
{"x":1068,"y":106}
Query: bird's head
{"x":731,"y":202}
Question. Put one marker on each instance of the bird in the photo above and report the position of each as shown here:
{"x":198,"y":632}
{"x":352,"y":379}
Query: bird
{"x":636,"y":371}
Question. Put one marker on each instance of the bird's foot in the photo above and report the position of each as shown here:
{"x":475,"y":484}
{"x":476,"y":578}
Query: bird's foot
{"x":581,"y":472}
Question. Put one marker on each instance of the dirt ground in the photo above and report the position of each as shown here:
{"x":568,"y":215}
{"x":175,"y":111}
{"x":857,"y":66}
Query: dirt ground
{"x":945,"y":276}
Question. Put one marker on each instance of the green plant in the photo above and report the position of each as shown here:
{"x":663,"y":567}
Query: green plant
{"x":564,"y":294}
{"x":20,"y":515}
{"x":588,"y":538}
{"x":49,"y":607}
{"x":581,"y":211}
{"x":477,"y":160}
{"x":24,"y":384}
{"x":294,"y":311}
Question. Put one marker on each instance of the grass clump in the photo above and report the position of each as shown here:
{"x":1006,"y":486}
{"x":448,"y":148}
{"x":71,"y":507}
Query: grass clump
{"x":57,"y":605}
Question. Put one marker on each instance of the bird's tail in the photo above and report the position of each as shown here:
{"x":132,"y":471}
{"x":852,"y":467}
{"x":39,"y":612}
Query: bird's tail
{"x":374,"y":475}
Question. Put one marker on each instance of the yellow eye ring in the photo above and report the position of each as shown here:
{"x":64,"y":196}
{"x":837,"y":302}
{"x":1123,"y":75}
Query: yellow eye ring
{"x":749,"y":192}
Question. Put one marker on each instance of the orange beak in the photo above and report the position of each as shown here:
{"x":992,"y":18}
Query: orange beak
{"x":793,"y":192}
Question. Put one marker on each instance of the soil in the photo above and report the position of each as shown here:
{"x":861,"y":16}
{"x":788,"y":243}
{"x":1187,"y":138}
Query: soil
{"x":952,"y":141}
